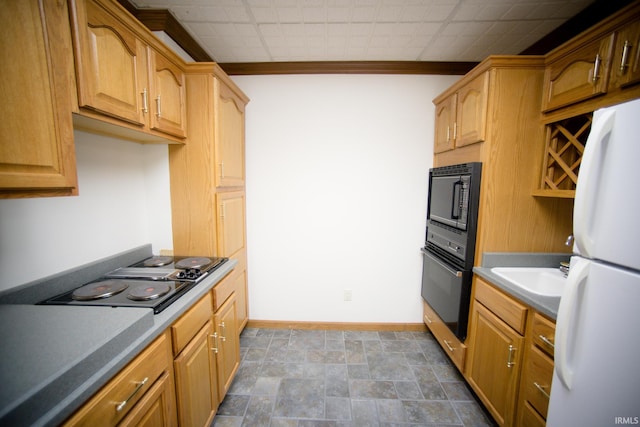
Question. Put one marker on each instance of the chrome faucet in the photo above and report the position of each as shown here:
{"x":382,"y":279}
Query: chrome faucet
{"x":564,"y":267}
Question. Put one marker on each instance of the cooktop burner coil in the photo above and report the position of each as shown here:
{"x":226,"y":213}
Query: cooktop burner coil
{"x":148,"y":292}
{"x":99,"y":290}
{"x":193,"y":262}
{"x":158,"y":261}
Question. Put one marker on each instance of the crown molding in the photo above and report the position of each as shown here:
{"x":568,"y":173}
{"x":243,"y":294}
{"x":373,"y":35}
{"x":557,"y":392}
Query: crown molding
{"x":347,"y":67}
{"x":163,"y":20}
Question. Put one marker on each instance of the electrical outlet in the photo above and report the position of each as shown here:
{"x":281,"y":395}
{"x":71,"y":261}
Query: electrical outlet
{"x":347,"y":294}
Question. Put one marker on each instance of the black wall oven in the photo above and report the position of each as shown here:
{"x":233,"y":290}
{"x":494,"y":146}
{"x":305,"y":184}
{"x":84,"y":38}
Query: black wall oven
{"x":452,"y":218}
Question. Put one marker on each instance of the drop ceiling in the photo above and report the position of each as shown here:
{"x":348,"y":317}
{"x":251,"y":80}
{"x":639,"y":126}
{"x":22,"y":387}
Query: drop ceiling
{"x":242,"y":31}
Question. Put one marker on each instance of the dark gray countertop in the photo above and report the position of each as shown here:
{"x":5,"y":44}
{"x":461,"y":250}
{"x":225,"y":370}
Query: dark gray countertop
{"x":545,"y":306}
{"x":54,"y":358}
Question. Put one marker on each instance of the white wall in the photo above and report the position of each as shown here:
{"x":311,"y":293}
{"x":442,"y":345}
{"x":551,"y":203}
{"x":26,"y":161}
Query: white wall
{"x":124,"y":202}
{"x":336,"y":194}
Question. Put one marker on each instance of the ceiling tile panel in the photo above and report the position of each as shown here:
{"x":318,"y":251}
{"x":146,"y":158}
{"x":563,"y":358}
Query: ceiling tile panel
{"x":423,"y":30}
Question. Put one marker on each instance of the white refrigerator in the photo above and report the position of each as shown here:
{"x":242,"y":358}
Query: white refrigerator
{"x":596,"y":380}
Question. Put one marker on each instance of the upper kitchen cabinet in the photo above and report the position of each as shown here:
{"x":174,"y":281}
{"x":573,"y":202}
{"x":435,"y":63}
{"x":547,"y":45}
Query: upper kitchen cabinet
{"x":229,"y":134}
{"x":127,"y":80}
{"x":625,"y":67}
{"x":578,"y":76}
{"x":597,"y":68}
{"x":461,"y":116}
{"x":37,"y":153}
{"x":215,"y":142}
{"x":510,"y":218}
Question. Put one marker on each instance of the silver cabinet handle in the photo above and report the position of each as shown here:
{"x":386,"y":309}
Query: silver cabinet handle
{"x":451,"y":349}
{"x":145,"y":103}
{"x":596,"y":69}
{"x":547,"y":341}
{"x":426,"y":316}
{"x":455,"y":130}
{"x":448,"y":134}
{"x":625,"y":56}
{"x":223,"y":338}
{"x":158,"y":107}
{"x":120,"y":406}
{"x":214,"y":337}
{"x":510,"y":361}
{"x":542,"y":390}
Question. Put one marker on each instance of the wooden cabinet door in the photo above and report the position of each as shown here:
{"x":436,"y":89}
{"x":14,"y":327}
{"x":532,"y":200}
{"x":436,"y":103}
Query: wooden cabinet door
{"x":229,"y":136}
{"x":625,"y":66}
{"x":240,"y":288}
{"x":231,"y":223}
{"x":167,"y":95}
{"x":111,"y":64}
{"x":444,"y":125}
{"x":495,"y":355}
{"x":471,"y":111}
{"x":37,"y":151}
{"x":228,"y":355}
{"x":156,"y":408}
{"x":196,"y":380}
{"x":579,"y":75}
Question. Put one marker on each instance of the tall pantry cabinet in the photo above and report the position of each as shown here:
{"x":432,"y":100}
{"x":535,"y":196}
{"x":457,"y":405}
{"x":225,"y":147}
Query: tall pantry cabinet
{"x":207,"y":176}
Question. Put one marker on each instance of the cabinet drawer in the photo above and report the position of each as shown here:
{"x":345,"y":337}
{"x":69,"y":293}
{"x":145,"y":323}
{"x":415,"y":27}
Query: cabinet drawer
{"x":449,"y":342}
{"x":506,"y":308}
{"x":538,"y":384}
{"x":187,"y":326}
{"x":116,"y":399}
{"x":530,"y":418}
{"x":223,"y":290}
{"x":543,"y":332}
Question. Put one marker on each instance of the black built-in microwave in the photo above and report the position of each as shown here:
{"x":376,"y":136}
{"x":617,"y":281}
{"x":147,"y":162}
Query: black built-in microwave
{"x":452,"y":212}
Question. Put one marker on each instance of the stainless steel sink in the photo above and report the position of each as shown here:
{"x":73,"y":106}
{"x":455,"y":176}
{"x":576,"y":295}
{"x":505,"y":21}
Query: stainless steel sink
{"x":546,"y":282}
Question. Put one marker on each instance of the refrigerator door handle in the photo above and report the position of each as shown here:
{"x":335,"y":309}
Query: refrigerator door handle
{"x":568,"y":318}
{"x":587,"y":189}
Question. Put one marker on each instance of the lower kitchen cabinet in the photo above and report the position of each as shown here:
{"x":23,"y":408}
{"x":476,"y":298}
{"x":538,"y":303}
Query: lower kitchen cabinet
{"x":196,"y":379}
{"x":195,"y":364}
{"x":142,"y":394}
{"x":154,"y":408}
{"x":206,"y":346}
{"x":226,"y":342}
{"x":496,"y":344}
{"x":535,"y":388}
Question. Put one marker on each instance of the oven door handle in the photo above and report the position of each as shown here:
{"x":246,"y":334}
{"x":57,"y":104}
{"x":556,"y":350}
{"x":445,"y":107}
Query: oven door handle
{"x":453,"y":271}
